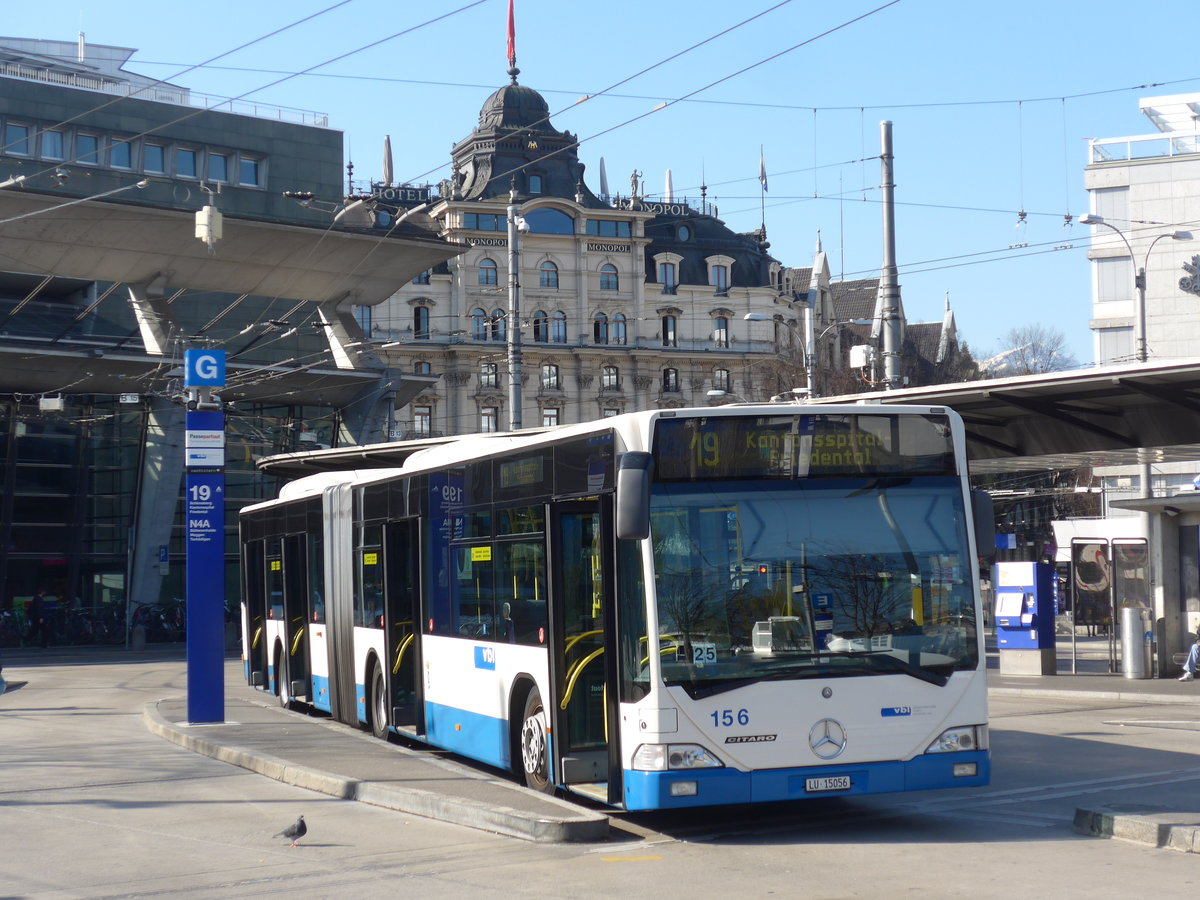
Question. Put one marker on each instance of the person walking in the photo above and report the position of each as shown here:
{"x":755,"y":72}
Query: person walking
{"x":37,"y":614}
{"x":1190,"y":664}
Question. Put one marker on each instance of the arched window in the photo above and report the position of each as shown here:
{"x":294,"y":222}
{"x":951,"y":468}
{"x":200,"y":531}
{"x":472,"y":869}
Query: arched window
{"x":609,"y":280}
{"x":541,"y":327}
{"x":600,"y":328}
{"x":478,"y":324}
{"x":670,"y":336}
{"x":487,"y":271}
{"x":670,"y":381}
{"x":718,"y":276}
{"x":721,"y":379}
{"x":550,"y":376}
{"x":548,"y":275}
{"x":667,"y":277}
{"x":721,"y":331}
{"x":618,"y":332}
{"x":497,"y":324}
{"x":488,"y":374}
{"x":421,"y":323}
{"x":558,"y":328}
{"x":610,"y":378}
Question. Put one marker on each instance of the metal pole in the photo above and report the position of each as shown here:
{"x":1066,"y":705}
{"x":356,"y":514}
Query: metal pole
{"x":889,"y":280}
{"x":810,"y":366}
{"x":513,"y":331}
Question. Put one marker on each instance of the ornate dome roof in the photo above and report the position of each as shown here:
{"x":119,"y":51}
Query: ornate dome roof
{"x":515,"y":106}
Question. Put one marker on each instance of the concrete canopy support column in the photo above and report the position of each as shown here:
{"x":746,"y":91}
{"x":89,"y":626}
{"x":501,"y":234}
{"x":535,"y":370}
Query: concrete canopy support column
{"x":157,"y":325}
{"x":157,"y":500}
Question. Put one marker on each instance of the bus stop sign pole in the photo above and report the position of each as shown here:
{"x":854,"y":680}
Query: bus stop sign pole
{"x":204,"y":509}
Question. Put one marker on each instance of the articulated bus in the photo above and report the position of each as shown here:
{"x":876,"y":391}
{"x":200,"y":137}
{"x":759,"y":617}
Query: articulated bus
{"x":656,"y":610}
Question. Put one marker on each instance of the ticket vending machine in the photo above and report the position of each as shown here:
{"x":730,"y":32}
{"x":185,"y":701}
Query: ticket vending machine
{"x":1025,"y":609}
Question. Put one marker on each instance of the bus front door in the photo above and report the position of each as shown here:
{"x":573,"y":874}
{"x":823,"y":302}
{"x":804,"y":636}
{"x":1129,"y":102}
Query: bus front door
{"x":582,"y":669}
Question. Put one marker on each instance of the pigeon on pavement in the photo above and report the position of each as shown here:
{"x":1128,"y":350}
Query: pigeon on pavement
{"x":295,"y":831}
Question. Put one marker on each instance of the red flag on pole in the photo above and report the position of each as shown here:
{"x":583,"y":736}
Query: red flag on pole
{"x":512,"y":36}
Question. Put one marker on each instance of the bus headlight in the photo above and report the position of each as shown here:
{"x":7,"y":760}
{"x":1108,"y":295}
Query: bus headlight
{"x":965,"y":737}
{"x":663,"y":757}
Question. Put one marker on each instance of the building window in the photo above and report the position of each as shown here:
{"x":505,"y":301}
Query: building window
{"x":487,"y":375}
{"x":548,"y":275}
{"x":250,"y":171}
{"x":618,"y":332}
{"x":422,"y":368}
{"x":478,"y":324}
{"x":608,"y":277}
{"x":422,"y":420}
{"x":683,"y":233}
{"x":485,"y":222}
{"x":541,"y":327}
{"x":721,"y":379}
{"x":185,"y":162}
{"x":558,"y":328}
{"x":154,"y":158}
{"x":550,"y":376}
{"x":423,"y":278}
{"x":120,"y":154}
{"x":721,"y":331}
{"x":16,"y":139}
{"x":670,"y":381}
{"x":550,"y":417}
{"x":489,"y":419}
{"x":218,"y":167}
{"x":487,"y":271}
{"x":609,"y":228}
{"x":600,"y":328}
{"x":421,"y":323}
{"x":497,"y":324}
{"x":670,"y":336}
{"x":362,"y":315}
{"x":718,"y":277}
{"x":53,"y":144}
{"x":87,"y":149}
{"x":667,"y":277}
{"x":610,"y":378}
{"x":535,"y":184}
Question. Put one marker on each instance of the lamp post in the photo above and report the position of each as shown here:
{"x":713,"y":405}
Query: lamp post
{"x":810,"y":342}
{"x":1139,"y":278}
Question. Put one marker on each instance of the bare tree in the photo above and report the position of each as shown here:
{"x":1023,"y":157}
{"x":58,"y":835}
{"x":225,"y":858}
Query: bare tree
{"x":1029,"y":350}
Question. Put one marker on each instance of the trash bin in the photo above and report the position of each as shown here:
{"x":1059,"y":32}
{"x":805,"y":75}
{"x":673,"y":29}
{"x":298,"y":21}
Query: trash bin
{"x":1137,"y":636}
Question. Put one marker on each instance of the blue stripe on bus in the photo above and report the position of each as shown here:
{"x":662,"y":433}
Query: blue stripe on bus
{"x":480,"y":737}
{"x":652,"y":790}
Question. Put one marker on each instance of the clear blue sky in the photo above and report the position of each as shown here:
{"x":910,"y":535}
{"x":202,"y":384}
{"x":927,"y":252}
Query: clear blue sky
{"x":990,"y":104}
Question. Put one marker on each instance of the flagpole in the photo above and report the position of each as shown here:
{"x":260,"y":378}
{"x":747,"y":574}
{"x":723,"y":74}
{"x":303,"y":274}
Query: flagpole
{"x":762,"y":184}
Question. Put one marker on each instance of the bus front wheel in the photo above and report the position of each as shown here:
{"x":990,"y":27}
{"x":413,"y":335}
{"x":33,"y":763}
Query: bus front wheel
{"x":379,"y":710}
{"x":535,"y":751}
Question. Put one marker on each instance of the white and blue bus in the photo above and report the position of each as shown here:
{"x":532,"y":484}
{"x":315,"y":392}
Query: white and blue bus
{"x":661,"y":609}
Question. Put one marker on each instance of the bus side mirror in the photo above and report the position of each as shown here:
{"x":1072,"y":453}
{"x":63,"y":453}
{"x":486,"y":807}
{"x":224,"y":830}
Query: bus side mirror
{"x":985,"y":523}
{"x":633,"y":495}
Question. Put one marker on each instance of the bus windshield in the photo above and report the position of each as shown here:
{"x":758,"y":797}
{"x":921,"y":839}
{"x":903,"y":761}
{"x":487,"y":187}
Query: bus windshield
{"x":812,"y":578}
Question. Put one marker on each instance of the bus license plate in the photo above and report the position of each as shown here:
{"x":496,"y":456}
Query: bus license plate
{"x":830,"y":783}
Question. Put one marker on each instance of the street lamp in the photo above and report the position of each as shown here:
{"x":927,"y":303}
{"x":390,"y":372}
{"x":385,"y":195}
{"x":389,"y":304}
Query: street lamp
{"x":1139,"y":276}
{"x":809,"y":345}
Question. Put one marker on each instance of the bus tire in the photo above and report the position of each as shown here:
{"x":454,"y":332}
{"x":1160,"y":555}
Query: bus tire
{"x":535,"y":750}
{"x":281,"y":681}
{"x":379,"y":710}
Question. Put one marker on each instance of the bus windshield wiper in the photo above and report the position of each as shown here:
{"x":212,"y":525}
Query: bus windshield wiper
{"x":887,"y":660}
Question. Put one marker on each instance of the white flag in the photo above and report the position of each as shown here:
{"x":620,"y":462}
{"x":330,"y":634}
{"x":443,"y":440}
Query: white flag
{"x":762,"y":170}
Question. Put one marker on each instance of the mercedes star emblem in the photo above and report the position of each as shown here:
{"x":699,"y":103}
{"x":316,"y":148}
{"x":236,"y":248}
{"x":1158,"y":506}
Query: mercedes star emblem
{"x":827,"y":739}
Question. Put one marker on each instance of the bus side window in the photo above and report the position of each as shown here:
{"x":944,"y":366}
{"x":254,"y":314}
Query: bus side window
{"x":472,"y":603}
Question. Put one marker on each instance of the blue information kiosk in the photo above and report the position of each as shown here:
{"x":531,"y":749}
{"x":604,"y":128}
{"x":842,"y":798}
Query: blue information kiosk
{"x":1024,"y":616}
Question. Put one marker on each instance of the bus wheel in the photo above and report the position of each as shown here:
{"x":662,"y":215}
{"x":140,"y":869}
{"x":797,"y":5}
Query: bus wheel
{"x":379,"y":711}
{"x":535,"y":761}
{"x":281,"y":683}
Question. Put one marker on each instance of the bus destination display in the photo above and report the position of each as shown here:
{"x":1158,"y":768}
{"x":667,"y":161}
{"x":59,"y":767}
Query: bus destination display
{"x":801,"y":446}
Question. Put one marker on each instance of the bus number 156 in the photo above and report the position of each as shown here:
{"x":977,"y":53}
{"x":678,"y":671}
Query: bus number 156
{"x":724,"y":718}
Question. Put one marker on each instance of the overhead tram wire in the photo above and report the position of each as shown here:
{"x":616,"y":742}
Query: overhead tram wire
{"x":191,"y":68}
{"x":667,"y":103}
{"x":292,"y":75}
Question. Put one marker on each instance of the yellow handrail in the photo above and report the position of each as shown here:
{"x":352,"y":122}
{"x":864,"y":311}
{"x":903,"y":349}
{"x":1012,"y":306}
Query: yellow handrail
{"x":401,"y":651}
{"x":579,"y":637}
{"x":573,"y":676}
{"x":299,"y":635}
